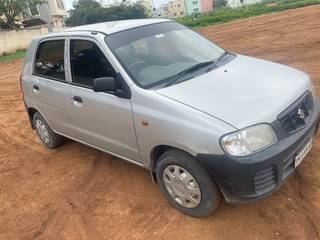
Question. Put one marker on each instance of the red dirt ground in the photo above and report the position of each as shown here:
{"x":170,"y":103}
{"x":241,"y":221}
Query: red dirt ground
{"x":75,"y":192}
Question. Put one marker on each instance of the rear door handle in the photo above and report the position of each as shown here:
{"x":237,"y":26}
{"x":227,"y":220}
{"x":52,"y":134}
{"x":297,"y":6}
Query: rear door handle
{"x":77,"y":101}
{"x":36,"y":89}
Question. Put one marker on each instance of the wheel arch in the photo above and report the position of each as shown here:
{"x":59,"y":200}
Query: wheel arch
{"x":31,"y":111}
{"x":157,"y":152}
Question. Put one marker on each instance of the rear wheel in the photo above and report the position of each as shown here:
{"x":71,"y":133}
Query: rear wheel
{"x":186,"y":184}
{"x":49,"y":138}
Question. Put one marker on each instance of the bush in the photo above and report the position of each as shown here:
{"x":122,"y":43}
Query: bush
{"x":11,"y":57}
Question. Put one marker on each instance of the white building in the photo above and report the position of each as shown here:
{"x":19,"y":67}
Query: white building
{"x":147,"y":5}
{"x":240,"y":3}
{"x":161,"y":11}
{"x":53,"y":13}
{"x":111,"y":3}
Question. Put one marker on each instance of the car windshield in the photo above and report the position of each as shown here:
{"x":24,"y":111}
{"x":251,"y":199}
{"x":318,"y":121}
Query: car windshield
{"x":155,"y":55}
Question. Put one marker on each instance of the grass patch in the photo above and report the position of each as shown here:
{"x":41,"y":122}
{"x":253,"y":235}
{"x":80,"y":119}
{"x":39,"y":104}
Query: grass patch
{"x":226,"y":14}
{"x":12,"y":57}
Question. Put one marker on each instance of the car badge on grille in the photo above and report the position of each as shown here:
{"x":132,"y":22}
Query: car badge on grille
{"x":301,"y":114}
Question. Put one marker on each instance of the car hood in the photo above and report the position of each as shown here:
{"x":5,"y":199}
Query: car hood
{"x":243,"y":92}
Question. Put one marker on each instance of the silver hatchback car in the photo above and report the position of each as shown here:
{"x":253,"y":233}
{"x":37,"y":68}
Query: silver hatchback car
{"x":206,"y":122}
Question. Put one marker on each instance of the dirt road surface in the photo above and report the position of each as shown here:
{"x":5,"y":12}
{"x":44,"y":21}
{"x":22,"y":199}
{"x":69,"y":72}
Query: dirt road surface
{"x":78,"y":193}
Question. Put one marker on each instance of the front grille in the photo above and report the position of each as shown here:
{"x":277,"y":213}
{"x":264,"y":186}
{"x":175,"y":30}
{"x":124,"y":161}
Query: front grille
{"x":296,"y":119}
{"x":296,"y":116}
{"x":265,"y":180}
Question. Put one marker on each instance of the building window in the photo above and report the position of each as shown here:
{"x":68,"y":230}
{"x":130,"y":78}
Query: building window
{"x":179,"y":5}
{"x":181,"y":13}
{"x":174,"y":14}
{"x":196,"y":10}
{"x":195,"y":2}
{"x":60,"y":4}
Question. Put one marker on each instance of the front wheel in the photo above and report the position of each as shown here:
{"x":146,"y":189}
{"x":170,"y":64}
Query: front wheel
{"x":186,"y":184}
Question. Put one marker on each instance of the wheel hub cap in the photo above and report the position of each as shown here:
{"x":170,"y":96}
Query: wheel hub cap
{"x":42,"y":130}
{"x":182,"y":186}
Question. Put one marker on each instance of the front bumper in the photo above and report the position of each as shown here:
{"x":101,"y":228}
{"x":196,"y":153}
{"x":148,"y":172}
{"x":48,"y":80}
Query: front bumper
{"x":243,"y":179}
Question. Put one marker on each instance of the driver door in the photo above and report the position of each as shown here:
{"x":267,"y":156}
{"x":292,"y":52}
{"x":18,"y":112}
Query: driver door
{"x":101,"y":119}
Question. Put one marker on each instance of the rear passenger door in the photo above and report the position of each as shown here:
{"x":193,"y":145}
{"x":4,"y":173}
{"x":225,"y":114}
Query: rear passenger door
{"x":101,"y":119}
{"x":49,"y":86}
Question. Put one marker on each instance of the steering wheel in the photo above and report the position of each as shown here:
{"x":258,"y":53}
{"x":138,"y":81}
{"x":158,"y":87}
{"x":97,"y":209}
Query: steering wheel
{"x":136,"y":66}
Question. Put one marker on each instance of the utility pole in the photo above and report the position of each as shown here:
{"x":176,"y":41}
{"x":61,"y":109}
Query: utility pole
{"x":45,"y":15}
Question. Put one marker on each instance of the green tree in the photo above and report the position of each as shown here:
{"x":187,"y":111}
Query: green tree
{"x":90,"y":11}
{"x":13,"y":9}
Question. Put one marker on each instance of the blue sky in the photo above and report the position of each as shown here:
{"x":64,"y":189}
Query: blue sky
{"x":68,"y":4}
{"x":156,"y":3}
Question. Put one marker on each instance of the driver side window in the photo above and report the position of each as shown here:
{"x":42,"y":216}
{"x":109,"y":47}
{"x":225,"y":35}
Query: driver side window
{"x":88,"y":62}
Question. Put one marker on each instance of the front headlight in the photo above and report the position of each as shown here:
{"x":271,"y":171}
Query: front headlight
{"x":249,"y":140}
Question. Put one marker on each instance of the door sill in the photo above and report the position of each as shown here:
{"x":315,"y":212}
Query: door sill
{"x":102,"y":150}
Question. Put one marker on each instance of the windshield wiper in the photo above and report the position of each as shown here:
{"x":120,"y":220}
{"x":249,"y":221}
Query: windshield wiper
{"x":221,"y":57}
{"x":190,"y":69}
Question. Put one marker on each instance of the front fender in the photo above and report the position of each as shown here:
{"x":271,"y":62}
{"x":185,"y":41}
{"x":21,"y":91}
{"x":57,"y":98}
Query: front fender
{"x":162,"y":121}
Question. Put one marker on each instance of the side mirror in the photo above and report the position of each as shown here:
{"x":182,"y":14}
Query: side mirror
{"x":104,"y":84}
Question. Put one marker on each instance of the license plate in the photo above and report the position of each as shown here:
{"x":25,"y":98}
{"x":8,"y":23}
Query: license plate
{"x":301,"y":155}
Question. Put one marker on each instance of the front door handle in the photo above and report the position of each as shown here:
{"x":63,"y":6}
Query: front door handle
{"x":36,"y":89}
{"x":77,"y":100}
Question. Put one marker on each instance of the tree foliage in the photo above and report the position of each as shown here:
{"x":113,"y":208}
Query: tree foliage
{"x":13,"y":9}
{"x":90,"y":11}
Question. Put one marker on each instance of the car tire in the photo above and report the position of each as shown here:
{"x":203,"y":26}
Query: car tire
{"x":49,"y":138}
{"x":175,"y":162}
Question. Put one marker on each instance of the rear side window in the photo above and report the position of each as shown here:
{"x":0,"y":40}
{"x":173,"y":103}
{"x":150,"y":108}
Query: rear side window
{"x":88,"y":62}
{"x":50,"y":60}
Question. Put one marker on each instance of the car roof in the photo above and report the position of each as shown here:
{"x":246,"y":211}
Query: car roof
{"x":104,"y":27}
{"x":116,"y":26}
